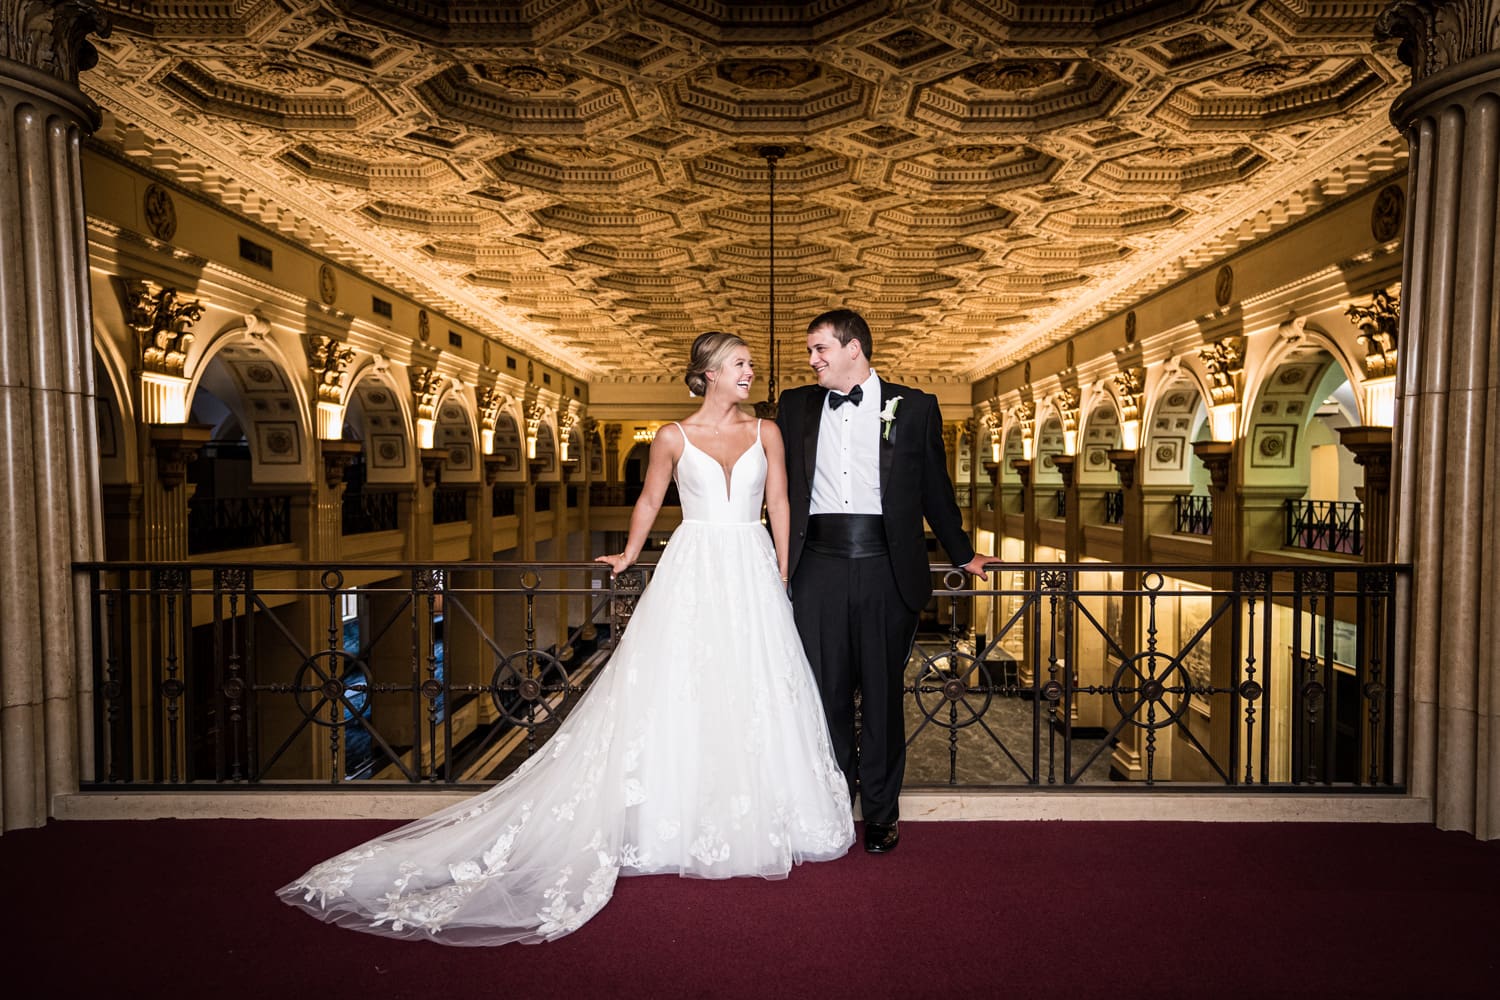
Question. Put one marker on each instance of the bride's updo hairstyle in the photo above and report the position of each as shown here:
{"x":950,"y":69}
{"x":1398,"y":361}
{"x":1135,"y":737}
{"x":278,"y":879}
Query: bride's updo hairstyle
{"x":710,"y":351}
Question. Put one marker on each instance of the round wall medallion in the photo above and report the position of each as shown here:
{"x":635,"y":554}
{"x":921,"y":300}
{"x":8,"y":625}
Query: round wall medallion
{"x":424,"y":325}
{"x":1388,"y":213}
{"x":328,"y":285}
{"x":1271,"y":445}
{"x":279,"y":442}
{"x":389,"y":451}
{"x":1224,"y":286}
{"x":161,"y":213}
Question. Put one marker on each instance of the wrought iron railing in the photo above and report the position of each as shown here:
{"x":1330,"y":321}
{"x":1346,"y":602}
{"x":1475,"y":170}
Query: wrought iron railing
{"x":1325,"y":526}
{"x":364,"y":513}
{"x":450,"y":504}
{"x":1195,"y":513}
{"x":216,"y":524}
{"x":1058,"y":675}
{"x":1120,"y":676}
{"x":1114,"y":507}
{"x":252,"y":673}
{"x":502,"y":502}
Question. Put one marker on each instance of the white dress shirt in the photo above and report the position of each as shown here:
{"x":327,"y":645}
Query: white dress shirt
{"x":846,"y":476}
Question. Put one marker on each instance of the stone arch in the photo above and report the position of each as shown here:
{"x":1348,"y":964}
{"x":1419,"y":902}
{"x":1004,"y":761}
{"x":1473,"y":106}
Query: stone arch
{"x":247,"y":377}
{"x":455,"y":430}
{"x":509,"y":449}
{"x":1178,"y":417}
{"x":546,"y":459}
{"x":1098,"y":435}
{"x":1291,"y":437}
{"x":376,"y":415}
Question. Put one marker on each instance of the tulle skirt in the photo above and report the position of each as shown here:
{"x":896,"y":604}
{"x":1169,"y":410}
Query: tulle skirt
{"x":701,"y":751}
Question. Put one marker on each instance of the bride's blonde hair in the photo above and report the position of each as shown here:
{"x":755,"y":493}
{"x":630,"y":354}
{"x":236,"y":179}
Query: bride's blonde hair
{"x":709,"y":353}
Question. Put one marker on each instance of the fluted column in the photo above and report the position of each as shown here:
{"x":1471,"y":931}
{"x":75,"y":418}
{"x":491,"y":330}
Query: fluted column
{"x":49,"y":476}
{"x":1446,"y":440}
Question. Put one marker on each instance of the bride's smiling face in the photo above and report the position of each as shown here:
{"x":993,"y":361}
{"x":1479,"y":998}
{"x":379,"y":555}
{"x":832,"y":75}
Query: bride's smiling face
{"x":735,"y":375}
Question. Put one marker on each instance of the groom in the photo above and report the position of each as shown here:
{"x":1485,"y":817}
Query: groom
{"x":865,"y":466}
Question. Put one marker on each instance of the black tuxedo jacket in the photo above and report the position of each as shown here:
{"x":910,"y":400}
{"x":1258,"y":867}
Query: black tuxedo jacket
{"x":914,"y":482}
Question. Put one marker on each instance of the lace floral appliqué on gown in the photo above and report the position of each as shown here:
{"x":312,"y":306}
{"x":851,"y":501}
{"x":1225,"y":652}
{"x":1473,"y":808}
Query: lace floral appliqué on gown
{"x":700,"y":751}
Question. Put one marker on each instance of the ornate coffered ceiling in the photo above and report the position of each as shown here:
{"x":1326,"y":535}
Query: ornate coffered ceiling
{"x":583,"y":178}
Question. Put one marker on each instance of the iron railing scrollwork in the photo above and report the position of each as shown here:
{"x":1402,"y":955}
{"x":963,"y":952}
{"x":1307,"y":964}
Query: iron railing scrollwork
{"x":450,"y":504}
{"x":216,"y":524}
{"x":1195,"y":513}
{"x":1114,"y":507}
{"x":1325,"y":526}
{"x":1047,"y":674}
{"x":364,"y":513}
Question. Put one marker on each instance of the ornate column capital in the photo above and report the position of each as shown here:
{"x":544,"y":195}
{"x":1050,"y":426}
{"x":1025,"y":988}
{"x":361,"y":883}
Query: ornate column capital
{"x":52,"y":35}
{"x":336,"y":458}
{"x":1436,"y":35}
{"x":432,"y":464}
{"x":1065,"y":464}
{"x":161,"y":326}
{"x":1372,"y":451}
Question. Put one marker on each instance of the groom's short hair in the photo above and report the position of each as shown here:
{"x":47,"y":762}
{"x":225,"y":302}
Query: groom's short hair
{"x":847,"y":325}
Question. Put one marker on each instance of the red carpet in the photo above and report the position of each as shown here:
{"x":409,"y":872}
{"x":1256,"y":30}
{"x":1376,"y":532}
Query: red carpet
{"x":185,"y":909}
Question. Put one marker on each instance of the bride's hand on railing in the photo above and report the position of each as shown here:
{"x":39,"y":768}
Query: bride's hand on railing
{"x":618,"y":563}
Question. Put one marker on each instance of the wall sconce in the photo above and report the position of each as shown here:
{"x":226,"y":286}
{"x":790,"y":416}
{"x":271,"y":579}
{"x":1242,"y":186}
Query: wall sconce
{"x":1028,"y":448}
{"x":487,"y":440}
{"x":1380,"y":402}
{"x":426,"y":431}
{"x":531,"y":446}
{"x":644,"y":435}
{"x":1221,"y":420}
{"x":1070,"y":442}
{"x":1130,"y":435}
{"x":995,"y":449}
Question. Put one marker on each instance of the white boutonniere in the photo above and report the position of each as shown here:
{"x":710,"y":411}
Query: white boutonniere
{"x":888,"y":417}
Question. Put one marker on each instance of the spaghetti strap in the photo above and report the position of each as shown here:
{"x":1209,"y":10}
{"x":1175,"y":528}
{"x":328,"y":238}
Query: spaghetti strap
{"x":757,"y":430}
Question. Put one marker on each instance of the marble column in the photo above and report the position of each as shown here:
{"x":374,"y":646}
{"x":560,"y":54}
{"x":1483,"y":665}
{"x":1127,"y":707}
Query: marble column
{"x":49,"y":475}
{"x":1446,"y":441}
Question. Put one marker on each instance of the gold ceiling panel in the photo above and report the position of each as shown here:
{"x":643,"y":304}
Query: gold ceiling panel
{"x":584,"y":179}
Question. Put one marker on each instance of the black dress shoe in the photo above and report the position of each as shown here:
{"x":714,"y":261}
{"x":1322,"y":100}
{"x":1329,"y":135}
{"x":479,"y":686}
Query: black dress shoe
{"x":881,"y":838}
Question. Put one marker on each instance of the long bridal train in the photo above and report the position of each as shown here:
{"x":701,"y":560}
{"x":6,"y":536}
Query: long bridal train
{"x":701,"y":751}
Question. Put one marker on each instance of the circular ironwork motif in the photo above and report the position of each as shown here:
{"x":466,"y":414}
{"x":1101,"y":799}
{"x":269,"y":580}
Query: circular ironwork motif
{"x":322,"y":674}
{"x":1150,"y":708}
{"x":432,"y":689}
{"x":111,"y":690}
{"x":172,"y":688}
{"x":520,"y":682}
{"x":1387,"y":214}
{"x":1052,"y":691}
{"x":234,"y":689}
{"x":1250,"y":690}
{"x":1374,"y":690}
{"x":1312,"y":692}
{"x":161,"y":212}
{"x":964,"y":687}
{"x":332,"y":579}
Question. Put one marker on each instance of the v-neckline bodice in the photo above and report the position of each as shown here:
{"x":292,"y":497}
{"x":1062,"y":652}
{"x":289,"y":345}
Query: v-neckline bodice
{"x":728,"y":470}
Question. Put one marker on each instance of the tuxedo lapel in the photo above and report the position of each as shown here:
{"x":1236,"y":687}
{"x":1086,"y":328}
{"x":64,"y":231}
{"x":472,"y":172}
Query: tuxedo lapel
{"x":812,"y":421}
{"x":887,"y":447}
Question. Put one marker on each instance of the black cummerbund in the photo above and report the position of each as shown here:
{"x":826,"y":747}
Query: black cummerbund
{"x":849,"y":536}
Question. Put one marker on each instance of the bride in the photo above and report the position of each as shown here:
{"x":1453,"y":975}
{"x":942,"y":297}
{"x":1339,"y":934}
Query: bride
{"x":701,"y":750}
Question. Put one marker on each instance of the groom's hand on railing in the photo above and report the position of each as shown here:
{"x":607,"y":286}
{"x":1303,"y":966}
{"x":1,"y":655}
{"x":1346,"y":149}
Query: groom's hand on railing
{"x":980,"y":565}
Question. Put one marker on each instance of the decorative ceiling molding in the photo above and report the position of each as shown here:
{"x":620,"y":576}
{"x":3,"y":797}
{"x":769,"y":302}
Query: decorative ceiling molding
{"x":580,"y":180}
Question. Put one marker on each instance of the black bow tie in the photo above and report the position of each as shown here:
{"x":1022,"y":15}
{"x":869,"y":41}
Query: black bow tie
{"x":837,"y":399}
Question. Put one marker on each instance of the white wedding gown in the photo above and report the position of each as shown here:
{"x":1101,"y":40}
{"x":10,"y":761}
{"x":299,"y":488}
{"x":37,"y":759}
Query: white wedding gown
{"x":701,"y":751}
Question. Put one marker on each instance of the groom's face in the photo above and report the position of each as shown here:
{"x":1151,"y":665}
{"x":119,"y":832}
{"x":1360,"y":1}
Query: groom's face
{"x":838,"y":366}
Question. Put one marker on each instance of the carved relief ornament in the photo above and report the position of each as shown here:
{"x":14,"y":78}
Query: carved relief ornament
{"x":51,"y":36}
{"x":1435,"y":36}
{"x":329,"y":360}
{"x":1225,"y":360}
{"x":1129,"y":385}
{"x":161,"y":325}
{"x":1378,"y":323}
{"x":426,"y":383}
